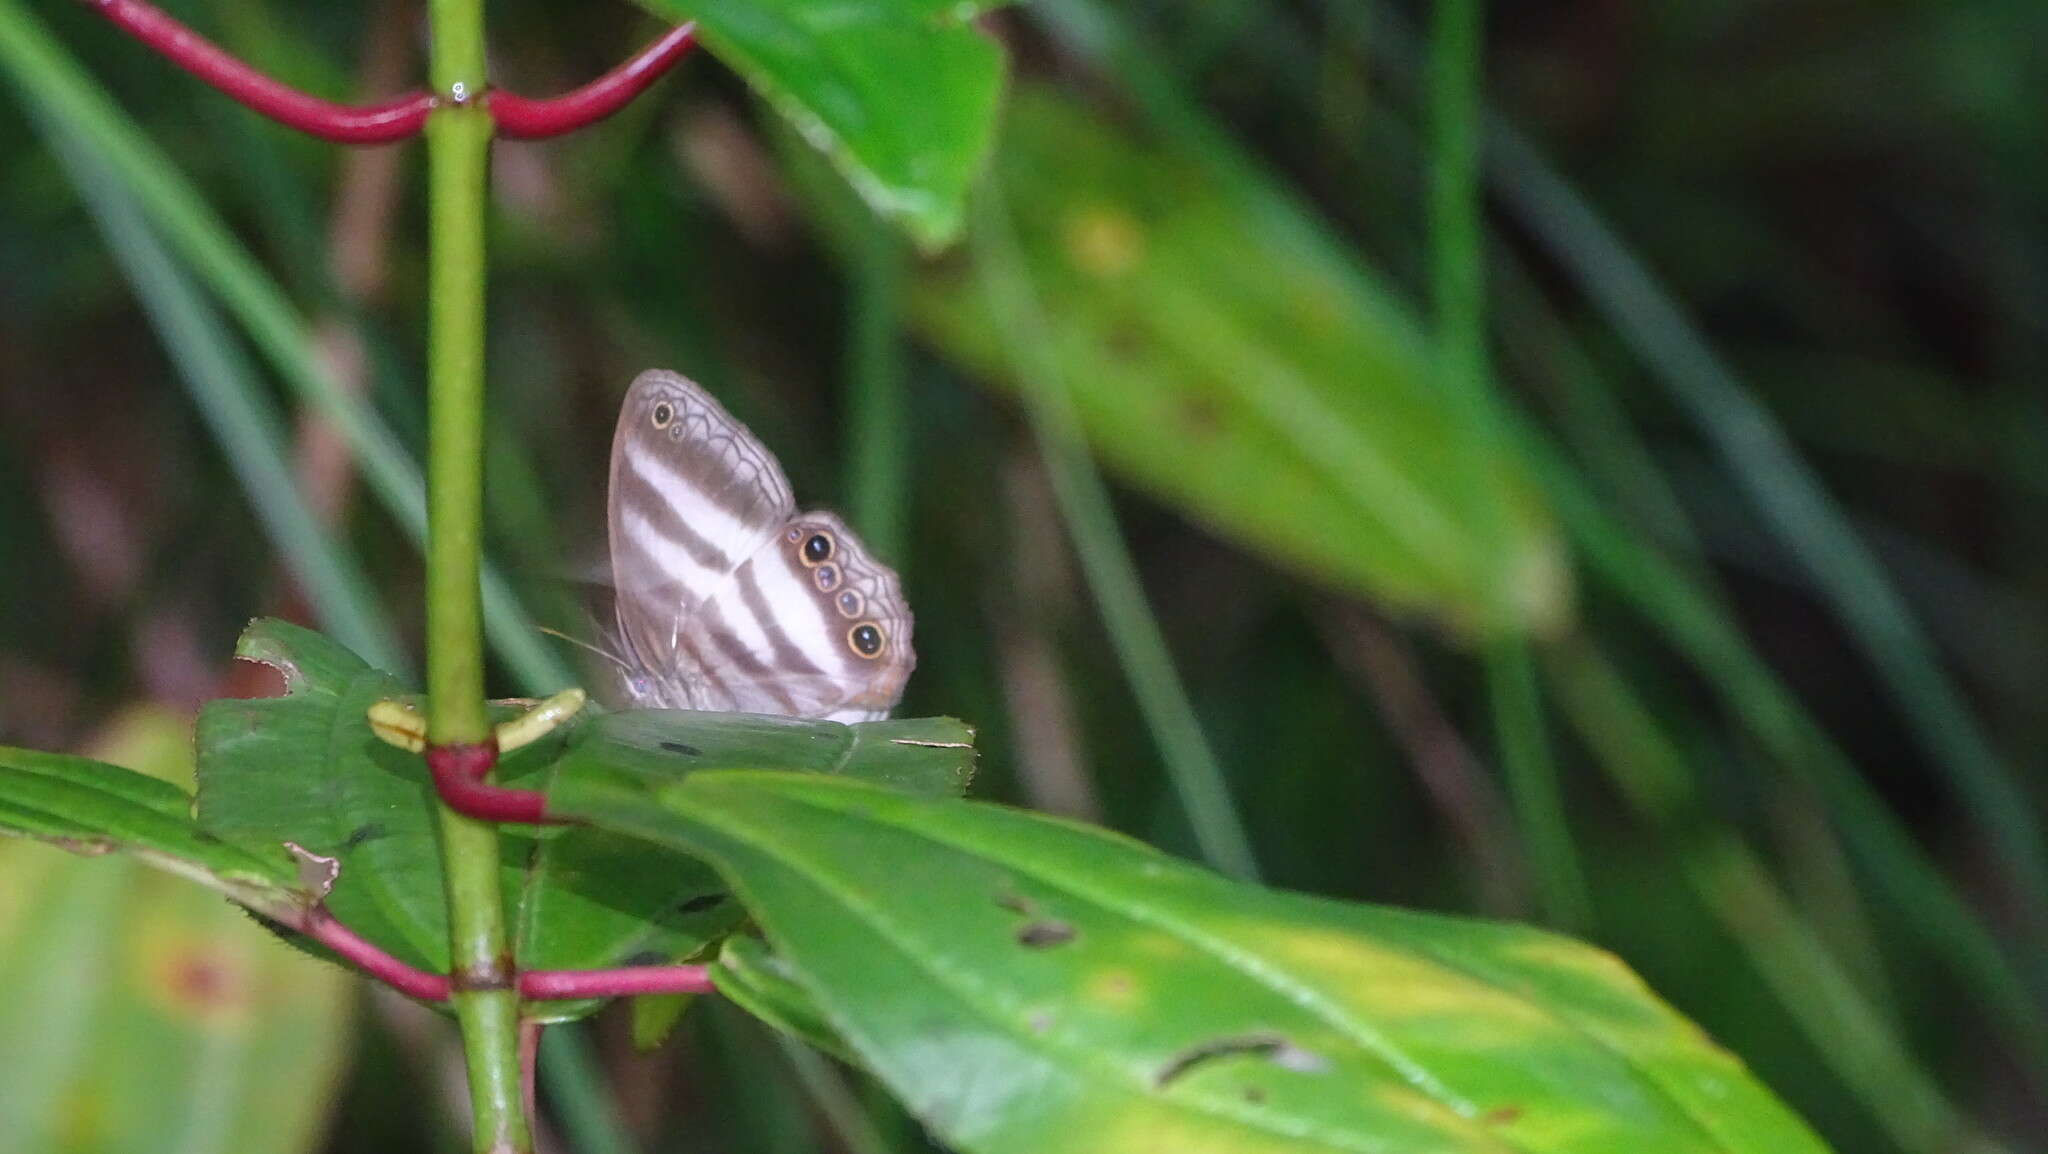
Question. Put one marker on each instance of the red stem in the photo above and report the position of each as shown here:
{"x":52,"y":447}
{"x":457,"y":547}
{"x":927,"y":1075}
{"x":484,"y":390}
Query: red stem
{"x":542,"y":985}
{"x":536,"y":985}
{"x":342,"y":123}
{"x":417,"y":983}
{"x":459,"y":778}
{"x":519,"y":118}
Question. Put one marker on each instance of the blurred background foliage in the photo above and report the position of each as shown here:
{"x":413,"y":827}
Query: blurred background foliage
{"x":1712,"y":627}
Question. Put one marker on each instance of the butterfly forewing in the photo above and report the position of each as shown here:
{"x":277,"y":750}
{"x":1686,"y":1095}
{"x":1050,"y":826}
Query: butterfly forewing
{"x":727,"y":599}
{"x":693,"y":495}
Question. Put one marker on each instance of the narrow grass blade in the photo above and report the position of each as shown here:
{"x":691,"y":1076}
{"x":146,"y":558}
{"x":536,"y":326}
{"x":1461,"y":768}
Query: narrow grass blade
{"x":1464,"y":372}
{"x":1693,"y":623}
{"x":1792,"y":500}
{"x":1112,"y":574}
{"x":251,"y":434}
{"x":877,"y":449}
{"x":574,"y":1080}
{"x":1856,"y":1039}
{"x":71,"y":102}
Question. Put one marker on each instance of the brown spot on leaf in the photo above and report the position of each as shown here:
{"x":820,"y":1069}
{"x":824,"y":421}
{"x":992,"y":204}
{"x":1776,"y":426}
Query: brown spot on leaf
{"x":1272,"y":1047}
{"x":1044,"y":934}
{"x":1501,"y":1115}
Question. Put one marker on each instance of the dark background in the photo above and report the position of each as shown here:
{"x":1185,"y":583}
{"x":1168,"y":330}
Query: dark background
{"x":1843,"y":205}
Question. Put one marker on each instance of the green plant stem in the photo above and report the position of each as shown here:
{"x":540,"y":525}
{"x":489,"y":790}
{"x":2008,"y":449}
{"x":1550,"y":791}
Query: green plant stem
{"x":458,"y":143}
{"x":1465,"y":373}
{"x":458,"y":165}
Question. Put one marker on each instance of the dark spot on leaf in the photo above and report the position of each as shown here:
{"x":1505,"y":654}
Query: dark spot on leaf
{"x":679,"y":747}
{"x":702,"y":902}
{"x":369,"y":831}
{"x":204,"y":837}
{"x":1272,"y":1047}
{"x":1015,"y":904}
{"x":644,"y":958}
{"x":1254,"y":1095}
{"x":1501,"y":1115}
{"x":1043,"y":935}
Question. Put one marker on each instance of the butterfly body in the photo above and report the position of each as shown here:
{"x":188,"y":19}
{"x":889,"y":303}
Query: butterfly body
{"x":728,"y":598}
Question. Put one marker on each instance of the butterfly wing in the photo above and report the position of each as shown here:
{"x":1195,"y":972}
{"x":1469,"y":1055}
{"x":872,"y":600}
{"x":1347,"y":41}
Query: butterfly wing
{"x":693,"y":497}
{"x":809,"y":625}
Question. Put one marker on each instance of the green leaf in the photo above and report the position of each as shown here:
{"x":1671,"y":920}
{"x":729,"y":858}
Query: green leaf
{"x":595,"y":898}
{"x":900,"y":94}
{"x":146,"y":1014}
{"x":1012,"y":976}
{"x":304,"y":768}
{"x":90,"y":807}
{"x":757,"y":981}
{"x":1221,"y":355}
{"x":651,"y":748}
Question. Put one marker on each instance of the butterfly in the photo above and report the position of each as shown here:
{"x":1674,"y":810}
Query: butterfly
{"x":727,"y":598}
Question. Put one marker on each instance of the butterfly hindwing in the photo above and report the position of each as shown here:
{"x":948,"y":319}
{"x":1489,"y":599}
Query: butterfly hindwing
{"x":809,"y":625}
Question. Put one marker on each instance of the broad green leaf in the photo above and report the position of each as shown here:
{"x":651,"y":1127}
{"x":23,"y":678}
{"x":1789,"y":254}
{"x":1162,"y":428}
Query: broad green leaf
{"x":649,"y":748}
{"x":595,"y":898}
{"x":900,"y":94}
{"x":145,"y":1014}
{"x":1223,"y":356}
{"x":304,"y":768}
{"x":1012,"y":976}
{"x":91,"y":808}
{"x":753,"y":978}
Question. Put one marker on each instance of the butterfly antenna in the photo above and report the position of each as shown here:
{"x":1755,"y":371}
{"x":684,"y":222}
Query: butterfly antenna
{"x":601,"y":651}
